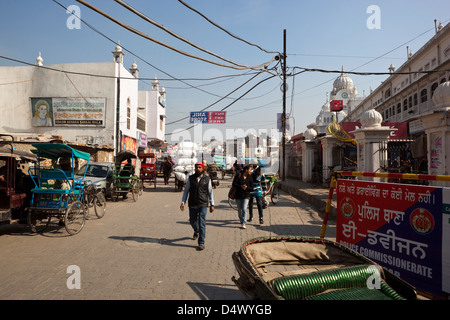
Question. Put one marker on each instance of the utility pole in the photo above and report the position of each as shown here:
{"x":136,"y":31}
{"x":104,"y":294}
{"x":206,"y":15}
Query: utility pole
{"x":118,"y":112}
{"x":283,"y":120}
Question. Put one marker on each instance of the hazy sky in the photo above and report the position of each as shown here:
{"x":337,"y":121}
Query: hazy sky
{"x":324,"y":34}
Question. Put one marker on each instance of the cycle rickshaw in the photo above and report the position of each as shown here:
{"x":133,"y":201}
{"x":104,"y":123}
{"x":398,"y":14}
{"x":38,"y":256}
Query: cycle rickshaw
{"x":148,"y":168}
{"x":15,"y":185}
{"x":57,"y":193}
{"x":127,"y":176}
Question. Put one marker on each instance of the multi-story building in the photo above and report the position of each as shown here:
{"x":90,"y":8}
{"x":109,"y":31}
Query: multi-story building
{"x":407,"y":94}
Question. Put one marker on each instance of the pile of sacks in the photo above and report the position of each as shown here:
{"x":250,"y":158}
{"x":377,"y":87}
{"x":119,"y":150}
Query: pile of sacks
{"x":185,"y":159}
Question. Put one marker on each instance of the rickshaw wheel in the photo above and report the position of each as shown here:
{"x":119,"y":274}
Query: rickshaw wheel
{"x":135,"y":190}
{"x":100,"y":205}
{"x":38,"y":221}
{"x":141,"y":187}
{"x":75,"y":217}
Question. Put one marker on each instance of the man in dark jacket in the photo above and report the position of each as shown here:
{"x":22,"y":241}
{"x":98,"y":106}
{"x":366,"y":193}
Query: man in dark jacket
{"x":199,"y":188}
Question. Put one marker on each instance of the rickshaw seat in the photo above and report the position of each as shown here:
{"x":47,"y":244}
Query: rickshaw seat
{"x":55,"y":174}
{"x":50,"y":191}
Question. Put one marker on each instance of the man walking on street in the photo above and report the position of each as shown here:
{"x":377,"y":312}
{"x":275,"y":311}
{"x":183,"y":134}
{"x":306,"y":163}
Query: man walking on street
{"x":199,"y":188}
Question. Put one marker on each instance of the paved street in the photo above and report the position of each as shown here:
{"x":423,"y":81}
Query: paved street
{"x":143,"y":250}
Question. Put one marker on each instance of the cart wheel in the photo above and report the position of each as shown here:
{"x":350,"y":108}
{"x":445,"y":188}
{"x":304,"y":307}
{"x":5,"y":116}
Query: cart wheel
{"x":141,"y":187}
{"x":75,"y":217}
{"x":134,"y":191}
{"x":275,"y":195}
{"x":114,"y":194}
{"x":100,"y":205}
{"x":38,"y":221}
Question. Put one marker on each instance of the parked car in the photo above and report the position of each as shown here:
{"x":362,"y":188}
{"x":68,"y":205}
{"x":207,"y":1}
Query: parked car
{"x":99,"y":173}
{"x":159,"y":172}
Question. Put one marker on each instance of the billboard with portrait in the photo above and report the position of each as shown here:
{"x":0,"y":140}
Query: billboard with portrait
{"x":68,"y":112}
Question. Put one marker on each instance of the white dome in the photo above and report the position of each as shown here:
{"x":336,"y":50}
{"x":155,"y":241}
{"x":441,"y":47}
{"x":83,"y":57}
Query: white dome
{"x":343,"y":83}
{"x":310,"y":134}
{"x":371,"y":118}
{"x":441,"y":96}
{"x":118,"y":47}
{"x":326,"y":107}
{"x":39,"y":60}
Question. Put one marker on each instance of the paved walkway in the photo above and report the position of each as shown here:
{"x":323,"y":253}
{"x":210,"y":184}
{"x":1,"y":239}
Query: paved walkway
{"x":143,"y":250}
{"x":315,"y":195}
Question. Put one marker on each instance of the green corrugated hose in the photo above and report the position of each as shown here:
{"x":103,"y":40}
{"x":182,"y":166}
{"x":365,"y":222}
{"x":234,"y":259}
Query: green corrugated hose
{"x":349,"y":283}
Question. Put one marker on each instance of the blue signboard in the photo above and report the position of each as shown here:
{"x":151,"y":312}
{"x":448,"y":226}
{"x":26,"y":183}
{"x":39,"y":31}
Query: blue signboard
{"x":199,"y":117}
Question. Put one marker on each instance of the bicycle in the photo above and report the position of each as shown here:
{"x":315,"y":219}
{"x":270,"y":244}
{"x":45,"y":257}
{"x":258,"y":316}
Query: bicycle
{"x":274,"y":189}
{"x":94,"y":197}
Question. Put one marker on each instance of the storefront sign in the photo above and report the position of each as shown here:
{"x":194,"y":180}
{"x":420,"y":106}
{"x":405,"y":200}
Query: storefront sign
{"x":398,"y":226}
{"x":142,"y":140}
{"x":217,"y":117}
{"x":400,"y":133}
{"x":208,"y":117}
{"x":128,"y":143}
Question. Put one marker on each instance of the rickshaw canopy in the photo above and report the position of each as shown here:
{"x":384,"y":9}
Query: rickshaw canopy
{"x":18,"y":154}
{"x":57,"y":150}
{"x":124,"y":155}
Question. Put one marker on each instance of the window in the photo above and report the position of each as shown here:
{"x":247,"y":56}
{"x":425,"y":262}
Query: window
{"x":399,"y":108}
{"x":387,"y":94}
{"x":141,"y":124}
{"x":410,"y":102}
{"x":161,"y":123}
{"x":423,"y":95}
{"x":415,"y":99}
{"x":433,"y":88}
{"x":405,"y":104}
{"x":128,"y":113}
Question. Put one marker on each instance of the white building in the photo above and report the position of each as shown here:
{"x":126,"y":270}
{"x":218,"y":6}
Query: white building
{"x":94,"y":104}
{"x":154,"y":104}
{"x":405,"y":97}
{"x":344,"y":90}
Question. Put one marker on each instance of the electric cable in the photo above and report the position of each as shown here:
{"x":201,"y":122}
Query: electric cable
{"x":223,"y":29}
{"x":135,"y":55}
{"x":229,"y":105}
{"x":146,"y":18}
{"x":217,"y":100}
{"x":125,"y":26}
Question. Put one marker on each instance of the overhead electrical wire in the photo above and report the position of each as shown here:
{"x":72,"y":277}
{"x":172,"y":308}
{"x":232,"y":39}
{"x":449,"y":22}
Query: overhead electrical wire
{"x":137,"y":56}
{"x":229,"y":105}
{"x":376,"y":58}
{"x":143,"y":16}
{"x":225,"y":30}
{"x":172,"y":122}
{"x":125,"y":26}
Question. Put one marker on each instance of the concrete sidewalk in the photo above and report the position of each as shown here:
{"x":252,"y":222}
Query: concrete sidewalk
{"x":317,"y":196}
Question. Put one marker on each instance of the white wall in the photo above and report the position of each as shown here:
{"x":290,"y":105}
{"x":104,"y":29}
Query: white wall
{"x":27,"y":82}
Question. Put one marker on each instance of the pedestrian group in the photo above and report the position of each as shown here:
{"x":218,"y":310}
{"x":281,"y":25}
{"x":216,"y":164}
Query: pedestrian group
{"x":198,"y":193}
